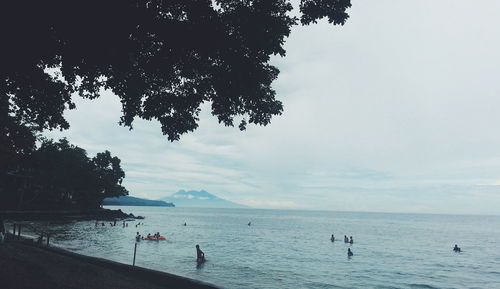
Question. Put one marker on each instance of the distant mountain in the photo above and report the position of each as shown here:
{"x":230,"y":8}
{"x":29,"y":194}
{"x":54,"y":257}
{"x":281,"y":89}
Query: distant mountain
{"x":132,"y":201}
{"x":200,"y":199}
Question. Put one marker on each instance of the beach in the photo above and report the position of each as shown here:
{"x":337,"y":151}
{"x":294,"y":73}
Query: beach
{"x":281,"y":249}
{"x":24,"y":265}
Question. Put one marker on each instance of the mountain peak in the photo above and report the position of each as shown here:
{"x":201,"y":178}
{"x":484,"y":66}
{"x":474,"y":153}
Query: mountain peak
{"x":202,"y":198}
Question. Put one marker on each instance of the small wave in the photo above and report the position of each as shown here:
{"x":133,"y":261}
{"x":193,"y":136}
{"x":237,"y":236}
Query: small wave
{"x":422,"y":286}
{"x":323,"y":285}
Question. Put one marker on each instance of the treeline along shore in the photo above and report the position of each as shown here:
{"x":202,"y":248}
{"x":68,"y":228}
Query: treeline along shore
{"x":59,"y":215}
{"x":27,"y":265}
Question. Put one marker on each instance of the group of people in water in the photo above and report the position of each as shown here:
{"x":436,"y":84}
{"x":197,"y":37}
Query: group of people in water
{"x":349,"y":240}
{"x":113,"y":224}
{"x":156,"y":236}
{"x":346,"y":240}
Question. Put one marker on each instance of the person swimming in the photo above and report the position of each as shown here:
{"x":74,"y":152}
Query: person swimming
{"x":351,"y":240}
{"x":332,"y":238}
{"x":185,"y":224}
{"x":349,"y":252}
{"x":457,"y":249}
{"x":200,"y":256}
{"x":346,"y":240}
{"x":137,"y":237}
{"x":249,"y":223}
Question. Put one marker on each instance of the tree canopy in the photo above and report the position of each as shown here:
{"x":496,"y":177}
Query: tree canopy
{"x":59,"y":175}
{"x":162,"y":58}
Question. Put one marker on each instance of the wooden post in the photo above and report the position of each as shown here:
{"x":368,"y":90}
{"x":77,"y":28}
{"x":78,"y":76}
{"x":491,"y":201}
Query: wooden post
{"x":14,"y":229}
{"x":48,"y":237}
{"x":19,"y":232}
{"x":135,"y":250}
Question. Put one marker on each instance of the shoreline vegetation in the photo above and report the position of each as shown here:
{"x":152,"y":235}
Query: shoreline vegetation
{"x":78,"y":215}
{"x":26,"y":265}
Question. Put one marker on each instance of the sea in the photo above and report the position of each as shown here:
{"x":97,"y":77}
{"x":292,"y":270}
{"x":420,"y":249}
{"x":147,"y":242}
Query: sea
{"x":292,"y":248}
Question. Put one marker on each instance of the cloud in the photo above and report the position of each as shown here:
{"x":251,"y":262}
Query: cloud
{"x":273,"y":204}
{"x":390,"y":112}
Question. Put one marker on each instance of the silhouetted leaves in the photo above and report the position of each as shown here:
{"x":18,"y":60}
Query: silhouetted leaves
{"x":59,"y":175}
{"x":162,"y":58}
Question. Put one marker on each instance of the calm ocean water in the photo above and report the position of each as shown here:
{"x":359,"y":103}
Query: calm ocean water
{"x":292,"y":249}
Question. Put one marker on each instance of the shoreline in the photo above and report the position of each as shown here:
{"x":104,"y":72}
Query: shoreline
{"x":26,"y":265}
{"x":78,"y":215}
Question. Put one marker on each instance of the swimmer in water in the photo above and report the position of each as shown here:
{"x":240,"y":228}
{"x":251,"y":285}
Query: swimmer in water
{"x":346,"y":240}
{"x":457,"y":249}
{"x":200,"y":256}
{"x":351,"y":241}
{"x":332,"y":238}
{"x":349,"y":252}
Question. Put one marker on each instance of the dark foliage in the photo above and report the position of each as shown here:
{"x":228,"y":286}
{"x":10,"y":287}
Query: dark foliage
{"x":162,"y":58}
{"x":59,"y":175}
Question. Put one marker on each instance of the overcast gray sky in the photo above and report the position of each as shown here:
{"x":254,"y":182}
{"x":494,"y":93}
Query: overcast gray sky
{"x":397,"y":111}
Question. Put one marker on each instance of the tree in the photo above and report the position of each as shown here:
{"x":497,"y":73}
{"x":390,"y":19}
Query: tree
{"x":163,"y":58}
{"x":110,"y":175}
{"x":59,"y":175}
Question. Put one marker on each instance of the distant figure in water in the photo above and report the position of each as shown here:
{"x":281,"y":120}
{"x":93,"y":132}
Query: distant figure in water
{"x":103,"y":224}
{"x":96,"y":223}
{"x":332,"y":238}
{"x":349,"y":252}
{"x":249,"y":223}
{"x":200,"y":256}
{"x":2,"y":230}
{"x":346,"y":240}
{"x":457,"y":249}
{"x":185,"y":224}
{"x":149,"y":235}
{"x":137,"y":237}
{"x":114,"y":223}
{"x":351,"y":240}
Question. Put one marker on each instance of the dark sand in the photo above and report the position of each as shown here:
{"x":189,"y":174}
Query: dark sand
{"x":29,"y":266}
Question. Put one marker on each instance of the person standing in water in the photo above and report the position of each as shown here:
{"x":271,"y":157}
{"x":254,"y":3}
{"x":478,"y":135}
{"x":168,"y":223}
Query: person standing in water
{"x":351,"y":241}
{"x":457,"y":249}
{"x":332,"y":238}
{"x":2,"y":230}
{"x":349,"y":252}
{"x":200,"y":256}
{"x":346,"y":240}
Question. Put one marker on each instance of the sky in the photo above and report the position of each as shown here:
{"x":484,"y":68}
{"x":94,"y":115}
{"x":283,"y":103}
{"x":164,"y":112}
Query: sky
{"x":397,"y":111}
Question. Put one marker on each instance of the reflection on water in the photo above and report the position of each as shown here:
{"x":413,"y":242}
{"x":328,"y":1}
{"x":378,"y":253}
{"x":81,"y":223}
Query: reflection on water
{"x":292,"y":249}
